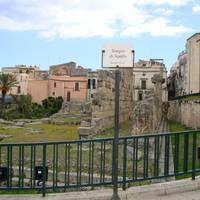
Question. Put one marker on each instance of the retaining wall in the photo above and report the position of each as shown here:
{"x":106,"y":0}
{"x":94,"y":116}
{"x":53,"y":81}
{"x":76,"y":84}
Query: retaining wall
{"x":185,"y":112}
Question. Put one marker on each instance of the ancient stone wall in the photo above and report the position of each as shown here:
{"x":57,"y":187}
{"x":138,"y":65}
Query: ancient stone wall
{"x":185,"y":112}
{"x":104,"y":97}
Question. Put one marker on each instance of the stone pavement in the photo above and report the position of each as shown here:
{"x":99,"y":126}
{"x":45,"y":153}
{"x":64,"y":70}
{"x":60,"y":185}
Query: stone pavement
{"x":174,"y":190}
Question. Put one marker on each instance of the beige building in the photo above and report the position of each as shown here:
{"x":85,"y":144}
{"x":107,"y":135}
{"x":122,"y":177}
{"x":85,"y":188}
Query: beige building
{"x":38,"y":90}
{"x":68,"y":69}
{"x":193,"y":56}
{"x":184,"y":75}
{"x":178,"y":78}
{"x":23,"y":73}
{"x":143,"y":72}
{"x":70,"y":88}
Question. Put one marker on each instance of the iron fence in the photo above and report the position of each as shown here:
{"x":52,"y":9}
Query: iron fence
{"x":184,"y":96}
{"x":89,"y":163}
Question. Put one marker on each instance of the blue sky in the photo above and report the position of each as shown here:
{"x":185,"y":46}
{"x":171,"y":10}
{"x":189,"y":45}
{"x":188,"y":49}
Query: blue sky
{"x":47,"y":32}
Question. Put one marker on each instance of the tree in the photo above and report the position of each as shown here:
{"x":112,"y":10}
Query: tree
{"x":52,"y":104}
{"x":24,"y":104}
{"x":7,"y":81}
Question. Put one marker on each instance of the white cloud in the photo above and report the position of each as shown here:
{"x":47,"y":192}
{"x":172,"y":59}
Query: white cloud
{"x":164,"y":11}
{"x":9,"y":24}
{"x":88,"y":18}
{"x":157,"y":27}
{"x":160,"y":2}
{"x":196,"y":9}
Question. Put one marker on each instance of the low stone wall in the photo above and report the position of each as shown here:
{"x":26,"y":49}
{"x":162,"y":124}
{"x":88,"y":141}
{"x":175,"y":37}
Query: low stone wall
{"x":80,"y":107}
{"x":185,"y":112}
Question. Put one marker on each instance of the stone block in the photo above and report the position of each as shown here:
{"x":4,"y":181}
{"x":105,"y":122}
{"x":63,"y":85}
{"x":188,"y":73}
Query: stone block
{"x":86,"y":131}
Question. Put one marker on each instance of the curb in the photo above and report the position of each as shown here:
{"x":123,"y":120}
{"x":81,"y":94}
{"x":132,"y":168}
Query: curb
{"x":150,"y":191}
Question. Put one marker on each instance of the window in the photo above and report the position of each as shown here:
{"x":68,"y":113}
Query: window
{"x":140,"y":96}
{"x":91,"y":83}
{"x":89,"y":80}
{"x":53,"y":93}
{"x":143,"y":84}
{"x":18,"y":89}
{"x":94,"y":83}
{"x":55,"y":84}
{"x":77,"y":86}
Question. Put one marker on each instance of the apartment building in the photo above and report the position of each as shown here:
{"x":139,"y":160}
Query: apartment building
{"x":143,"y":72}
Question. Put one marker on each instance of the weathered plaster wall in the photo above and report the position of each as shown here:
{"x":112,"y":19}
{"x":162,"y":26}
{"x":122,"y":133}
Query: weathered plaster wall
{"x":185,"y":112}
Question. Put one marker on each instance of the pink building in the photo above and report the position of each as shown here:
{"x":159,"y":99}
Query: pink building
{"x":38,"y":89}
{"x":70,"y":88}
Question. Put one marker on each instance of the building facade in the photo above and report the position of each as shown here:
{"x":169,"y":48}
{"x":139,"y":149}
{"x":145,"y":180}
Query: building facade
{"x":178,"y":77}
{"x":23,"y":73}
{"x":143,"y":72}
{"x":70,"y":88}
{"x":184,"y":75}
{"x":92,"y":85}
{"x":68,"y":69}
{"x":193,"y":56}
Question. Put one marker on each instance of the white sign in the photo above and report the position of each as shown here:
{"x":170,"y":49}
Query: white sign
{"x":120,"y":55}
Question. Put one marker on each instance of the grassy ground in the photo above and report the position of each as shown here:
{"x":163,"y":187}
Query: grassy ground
{"x":17,"y":192}
{"x":66,"y":132}
{"x":124,"y":130}
{"x":176,"y":127}
{"x":50,"y":132}
{"x":192,"y":98}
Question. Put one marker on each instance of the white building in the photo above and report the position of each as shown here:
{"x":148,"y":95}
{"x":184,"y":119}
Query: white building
{"x":143,"y":72}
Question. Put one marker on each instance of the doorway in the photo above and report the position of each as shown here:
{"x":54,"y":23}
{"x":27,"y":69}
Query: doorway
{"x":68,"y":96}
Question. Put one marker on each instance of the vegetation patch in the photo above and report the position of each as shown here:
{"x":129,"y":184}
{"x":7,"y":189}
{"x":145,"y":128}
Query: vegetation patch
{"x":50,"y":133}
{"x":124,"y":130}
{"x":24,"y":108}
{"x":176,"y":127}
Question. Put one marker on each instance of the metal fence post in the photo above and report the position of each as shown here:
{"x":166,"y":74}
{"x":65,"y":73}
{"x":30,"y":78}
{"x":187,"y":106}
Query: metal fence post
{"x":186,"y":152}
{"x":124,"y":164}
{"x":44,"y":171}
{"x":194,"y":146}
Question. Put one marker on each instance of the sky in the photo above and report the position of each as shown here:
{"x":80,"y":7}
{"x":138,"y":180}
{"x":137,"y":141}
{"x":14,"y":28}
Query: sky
{"x":47,"y":32}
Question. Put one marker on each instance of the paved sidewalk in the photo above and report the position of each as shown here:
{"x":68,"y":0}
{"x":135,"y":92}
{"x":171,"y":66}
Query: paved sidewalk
{"x":174,"y":190}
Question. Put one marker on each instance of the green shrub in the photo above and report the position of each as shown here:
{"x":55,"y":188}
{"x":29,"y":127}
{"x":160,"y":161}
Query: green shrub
{"x":52,"y":104}
{"x":24,"y":108}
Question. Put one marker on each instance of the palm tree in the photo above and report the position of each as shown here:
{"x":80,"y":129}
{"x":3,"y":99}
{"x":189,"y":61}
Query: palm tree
{"x":7,"y":81}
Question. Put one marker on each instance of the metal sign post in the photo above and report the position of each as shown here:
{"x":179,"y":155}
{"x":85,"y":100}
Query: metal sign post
{"x":116,"y":137}
{"x":117,"y":56}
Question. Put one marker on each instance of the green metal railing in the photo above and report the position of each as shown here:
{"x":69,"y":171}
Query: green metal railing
{"x":184,"y":96}
{"x":89,"y":163}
